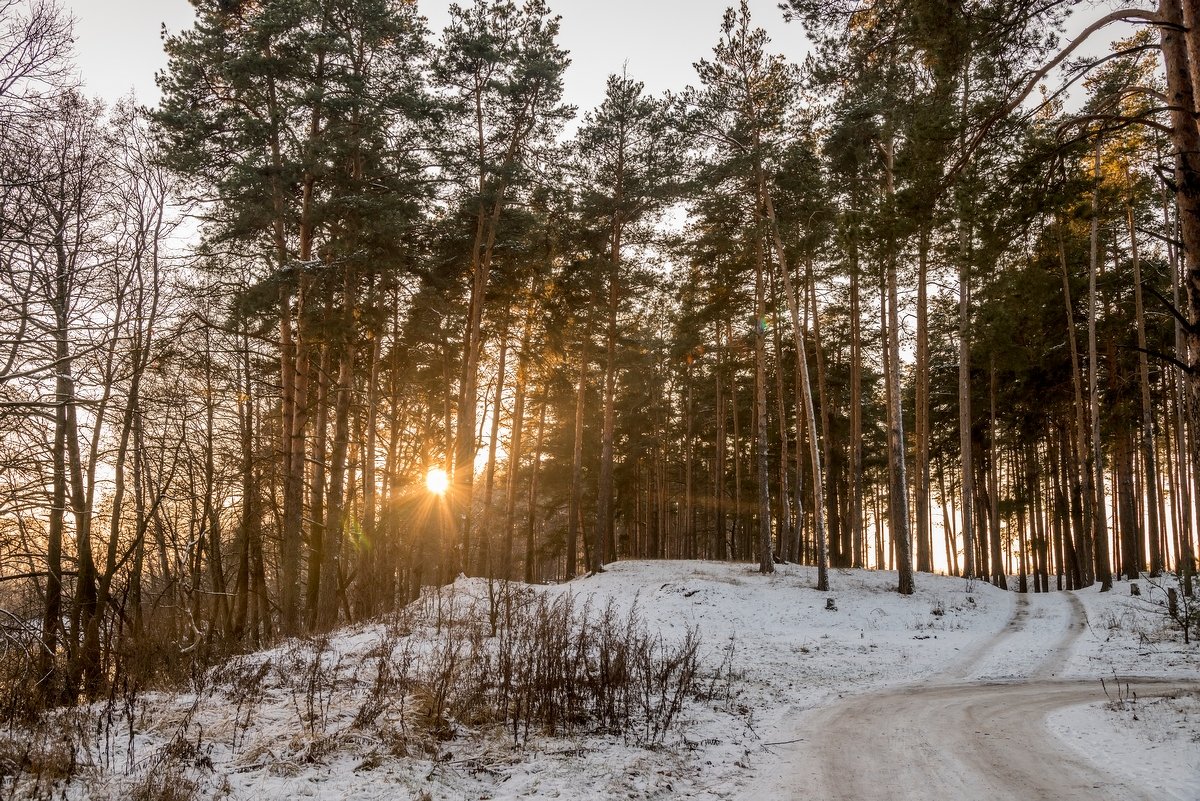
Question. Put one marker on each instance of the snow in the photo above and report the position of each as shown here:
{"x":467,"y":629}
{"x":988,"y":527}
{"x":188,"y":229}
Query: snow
{"x":289,"y":722}
{"x":1155,"y":741}
{"x":1131,"y":635}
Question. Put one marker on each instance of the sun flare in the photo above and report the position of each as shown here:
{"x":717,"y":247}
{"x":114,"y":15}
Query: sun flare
{"x":436,"y":481}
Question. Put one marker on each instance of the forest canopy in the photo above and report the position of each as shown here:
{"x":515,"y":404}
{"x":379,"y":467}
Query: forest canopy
{"x":361,"y":306}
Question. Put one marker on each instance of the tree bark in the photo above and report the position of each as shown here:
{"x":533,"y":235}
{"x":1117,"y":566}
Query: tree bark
{"x":898,"y":505}
{"x":803,"y":393}
{"x":964,"y":406}
{"x":766,"y":561}
{"x":1082,"y":486}
{"x":858,"y":549}
{"x":576,"y":506}
{"x":532,"y":516}
{"x":1103,"y":565}
{"x":1149,"y":459}
{"x":921,"y":375}
{"x":1182,"y":93}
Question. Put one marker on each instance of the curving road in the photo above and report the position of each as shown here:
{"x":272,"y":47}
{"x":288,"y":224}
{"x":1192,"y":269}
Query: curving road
{"x":961,"y":735}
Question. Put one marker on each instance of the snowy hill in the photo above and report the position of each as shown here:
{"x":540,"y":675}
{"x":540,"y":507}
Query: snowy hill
{"x":395,"y":710}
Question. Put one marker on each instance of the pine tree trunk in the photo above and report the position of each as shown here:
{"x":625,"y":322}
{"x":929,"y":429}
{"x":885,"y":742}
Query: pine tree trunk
{"x":982,"y":510}
{"x":964,"y":405}
{"x":1147,"y":439}
{"x":1082,"y":497}
{"x":576,"y":505}
{"x":718,"y":548}
{"x":731,"y":549}
{"x":515,"y":443}
{"x":316,"y":492}
{"x":898,"y":501}
{"x":1023,"y":538}
{"x":998,"y":577}
{"x":483,"y":564}
{"x":532,"y":516}
{"x":832,"y":518}
{"x":951,"y":537}
{"x":1127,"y":516}
{"x":1100,"y":551}
{"x":605,"y":513}
{"x":857,"y":550}
{"x":783,"y":491}
{"x":804,"y":400}
{"x":1059,"y":521}
{"x":335,"y":517}
{"x":371,"y":557}
{"x":766,"y":562}
{"x":689,"y":471}
{"x":921,"y":375}
{"x":1179,"y":47}
{"x":247,"y":528}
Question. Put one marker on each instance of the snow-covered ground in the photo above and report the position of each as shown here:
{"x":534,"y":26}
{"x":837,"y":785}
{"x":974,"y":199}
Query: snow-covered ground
{"x":1155,"y":741}
{"x":1132,"y":635}
{"x":293,"y":722}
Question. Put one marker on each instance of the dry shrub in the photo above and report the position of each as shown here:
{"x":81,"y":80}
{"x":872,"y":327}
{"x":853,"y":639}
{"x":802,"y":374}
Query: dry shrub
{"x":554,"y":665}
{"x":21,"y":661}
{"x":168,"y":784}
{"x":35,"y":763}
{"x":312,"y":671}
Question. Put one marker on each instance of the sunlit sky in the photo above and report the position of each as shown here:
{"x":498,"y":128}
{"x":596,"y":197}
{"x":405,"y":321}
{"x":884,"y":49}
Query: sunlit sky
{"x":119,"y":47}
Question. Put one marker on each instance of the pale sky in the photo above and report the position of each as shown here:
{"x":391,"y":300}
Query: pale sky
{"x":118,"y":45}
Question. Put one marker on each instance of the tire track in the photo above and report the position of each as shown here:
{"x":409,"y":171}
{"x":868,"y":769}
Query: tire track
{"x":957,"y":736}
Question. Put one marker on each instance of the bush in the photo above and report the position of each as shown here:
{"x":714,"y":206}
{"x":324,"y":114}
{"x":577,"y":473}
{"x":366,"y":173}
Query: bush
{"x":554,"y":665}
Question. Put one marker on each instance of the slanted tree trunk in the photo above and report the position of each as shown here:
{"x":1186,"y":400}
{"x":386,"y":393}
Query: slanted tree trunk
{"x":834,"y":523}
{"x":804,"y":400}
{"x":951,"y":537}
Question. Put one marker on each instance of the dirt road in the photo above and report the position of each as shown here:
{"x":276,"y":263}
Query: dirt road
{"x":976,"y":732}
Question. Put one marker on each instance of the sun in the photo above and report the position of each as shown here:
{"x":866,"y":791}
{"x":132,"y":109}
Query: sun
{"x":436,"y":481}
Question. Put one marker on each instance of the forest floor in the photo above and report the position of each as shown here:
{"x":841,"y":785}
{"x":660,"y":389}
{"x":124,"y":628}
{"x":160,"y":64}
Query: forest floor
{"x":958,"y":691}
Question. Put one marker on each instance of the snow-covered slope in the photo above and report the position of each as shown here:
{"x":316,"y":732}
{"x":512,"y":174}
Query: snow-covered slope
{"x":313,"y":718}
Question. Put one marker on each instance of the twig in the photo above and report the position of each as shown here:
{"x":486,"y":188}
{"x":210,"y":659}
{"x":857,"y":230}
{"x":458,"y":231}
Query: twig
{"x":784,"y":742}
